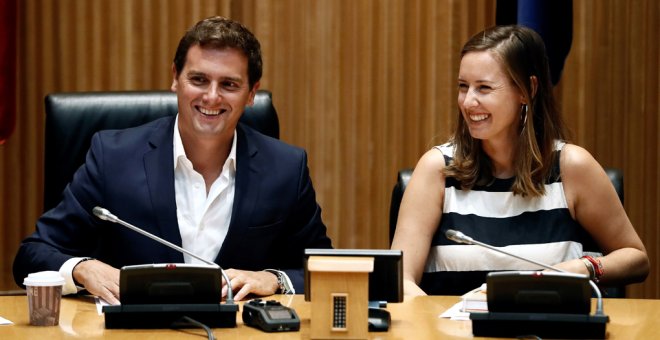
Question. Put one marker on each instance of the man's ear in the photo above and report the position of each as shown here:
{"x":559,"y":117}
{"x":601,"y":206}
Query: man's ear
{"x":253,"y":93}
{"x":534,"y":82}
{"x":175,"y":81}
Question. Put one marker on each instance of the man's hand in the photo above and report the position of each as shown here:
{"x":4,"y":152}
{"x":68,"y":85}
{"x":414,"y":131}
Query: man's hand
{"x":98,"y":279}
{"x":246,"y":282}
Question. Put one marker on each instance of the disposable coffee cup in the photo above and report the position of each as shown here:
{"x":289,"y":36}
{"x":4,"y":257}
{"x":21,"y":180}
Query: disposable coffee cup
{"x":44,"y":292}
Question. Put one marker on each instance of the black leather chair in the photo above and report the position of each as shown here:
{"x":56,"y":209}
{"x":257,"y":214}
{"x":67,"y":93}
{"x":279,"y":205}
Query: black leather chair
{"x":72,"y":119}
{"x":615,"y":175}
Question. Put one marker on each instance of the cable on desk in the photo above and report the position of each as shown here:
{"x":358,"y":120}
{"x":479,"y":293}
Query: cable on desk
{"x":209,"y":332}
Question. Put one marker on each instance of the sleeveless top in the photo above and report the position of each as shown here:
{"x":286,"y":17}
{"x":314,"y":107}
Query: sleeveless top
{"x":539,"y":228}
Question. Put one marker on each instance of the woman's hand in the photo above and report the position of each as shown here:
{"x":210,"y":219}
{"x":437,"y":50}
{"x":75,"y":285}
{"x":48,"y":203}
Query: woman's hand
{"x":410,"y":288}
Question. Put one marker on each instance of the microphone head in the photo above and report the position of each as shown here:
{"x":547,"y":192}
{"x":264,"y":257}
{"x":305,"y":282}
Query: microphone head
{"x":98,"y":211}
{"x":457,"y":236}
{"x":103,"y":214}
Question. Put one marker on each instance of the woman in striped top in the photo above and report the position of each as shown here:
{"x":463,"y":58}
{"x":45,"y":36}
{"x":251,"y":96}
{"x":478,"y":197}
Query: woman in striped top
{"x":507,"y":178}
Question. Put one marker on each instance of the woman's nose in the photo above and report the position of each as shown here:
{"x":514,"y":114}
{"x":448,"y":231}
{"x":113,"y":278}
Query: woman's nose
{"x":470,"y":99}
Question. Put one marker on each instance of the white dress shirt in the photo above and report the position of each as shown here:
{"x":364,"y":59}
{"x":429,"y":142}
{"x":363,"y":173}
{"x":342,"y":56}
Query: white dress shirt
{"x":203,"y":219}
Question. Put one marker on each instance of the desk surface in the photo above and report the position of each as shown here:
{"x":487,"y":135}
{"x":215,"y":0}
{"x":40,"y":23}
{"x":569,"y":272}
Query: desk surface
{"x":415,"y":318}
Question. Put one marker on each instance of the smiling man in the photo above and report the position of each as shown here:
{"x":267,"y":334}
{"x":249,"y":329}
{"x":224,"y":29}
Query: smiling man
{"x":200,"y":180}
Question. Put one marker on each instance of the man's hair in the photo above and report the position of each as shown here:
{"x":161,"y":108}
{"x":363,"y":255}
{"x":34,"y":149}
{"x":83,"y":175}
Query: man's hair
{"x":521,"y":52}
{"x":219,"y":33}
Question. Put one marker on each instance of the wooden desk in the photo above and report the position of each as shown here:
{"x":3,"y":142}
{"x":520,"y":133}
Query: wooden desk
{"x":416,"y":318}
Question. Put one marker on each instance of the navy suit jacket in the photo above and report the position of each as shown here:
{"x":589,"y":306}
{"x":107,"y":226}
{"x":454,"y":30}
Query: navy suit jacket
{"x":131,"y":173}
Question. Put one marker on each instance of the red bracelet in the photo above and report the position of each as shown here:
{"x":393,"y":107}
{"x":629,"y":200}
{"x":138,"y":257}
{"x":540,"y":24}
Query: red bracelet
{"x":598,"y":266}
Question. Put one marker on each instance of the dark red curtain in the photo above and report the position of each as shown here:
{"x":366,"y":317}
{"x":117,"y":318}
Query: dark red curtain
{"x":7,"y":68}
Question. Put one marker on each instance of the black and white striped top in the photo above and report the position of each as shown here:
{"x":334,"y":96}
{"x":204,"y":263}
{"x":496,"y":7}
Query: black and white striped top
{"x":539,"y":228}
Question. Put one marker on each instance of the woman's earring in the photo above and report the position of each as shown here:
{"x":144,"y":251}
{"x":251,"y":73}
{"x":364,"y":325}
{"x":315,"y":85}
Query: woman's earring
{"x":523,"y":115}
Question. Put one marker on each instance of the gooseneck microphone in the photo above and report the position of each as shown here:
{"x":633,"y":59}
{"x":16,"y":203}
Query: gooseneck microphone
{"x":106,"y":215}
{"x":459,"y":237}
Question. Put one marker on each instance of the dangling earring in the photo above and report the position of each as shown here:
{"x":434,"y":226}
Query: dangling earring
{"x":523,"y":115}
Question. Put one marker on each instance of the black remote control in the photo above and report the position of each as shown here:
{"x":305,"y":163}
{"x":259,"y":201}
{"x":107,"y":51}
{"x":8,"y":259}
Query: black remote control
{"x":270,"y":316}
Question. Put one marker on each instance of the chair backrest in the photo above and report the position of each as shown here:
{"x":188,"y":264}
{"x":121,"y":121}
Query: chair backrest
{"x":402,"y":179}
{"x":72,"y":119}
{"x":615,"y":175}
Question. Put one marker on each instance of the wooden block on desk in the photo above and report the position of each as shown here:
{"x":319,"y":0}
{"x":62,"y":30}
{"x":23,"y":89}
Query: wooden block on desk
{"x":339,"y":296}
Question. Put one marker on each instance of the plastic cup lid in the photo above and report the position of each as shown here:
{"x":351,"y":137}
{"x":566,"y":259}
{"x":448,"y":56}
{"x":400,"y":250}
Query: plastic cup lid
{"x":46,"y":278}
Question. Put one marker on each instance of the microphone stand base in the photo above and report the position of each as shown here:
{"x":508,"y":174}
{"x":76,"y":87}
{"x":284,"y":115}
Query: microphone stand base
{"x":143,"y":316}
{"x":544,"y":325}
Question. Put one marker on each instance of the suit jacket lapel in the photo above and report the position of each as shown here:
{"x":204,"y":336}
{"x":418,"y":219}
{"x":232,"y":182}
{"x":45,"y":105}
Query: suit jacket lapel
{"x":248,"y":182}
{"x":159,"y":167}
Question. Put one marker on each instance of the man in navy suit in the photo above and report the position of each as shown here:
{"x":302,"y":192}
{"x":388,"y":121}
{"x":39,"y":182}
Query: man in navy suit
{"x":200,"y":180}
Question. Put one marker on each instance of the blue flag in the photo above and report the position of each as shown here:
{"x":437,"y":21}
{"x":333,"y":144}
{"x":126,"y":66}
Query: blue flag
{"x":551,"y":19}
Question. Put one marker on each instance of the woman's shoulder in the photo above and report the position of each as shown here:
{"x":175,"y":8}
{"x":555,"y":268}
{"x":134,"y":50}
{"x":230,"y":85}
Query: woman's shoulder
{"x":447,"y":149}
{"x":575,"y":157}
{"x":432,"y":160}
{"x":578,"y":166}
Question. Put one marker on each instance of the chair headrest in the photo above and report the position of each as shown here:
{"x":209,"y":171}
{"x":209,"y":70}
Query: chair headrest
{"x":72,"y":118}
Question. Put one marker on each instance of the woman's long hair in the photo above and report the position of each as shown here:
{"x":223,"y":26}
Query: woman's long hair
{"x":522,"y":54}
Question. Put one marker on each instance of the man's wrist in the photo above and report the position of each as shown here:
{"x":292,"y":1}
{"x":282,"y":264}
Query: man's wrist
{"x":73,"y":276}
{"x":284,"y":285}
{"x":66,"y":270}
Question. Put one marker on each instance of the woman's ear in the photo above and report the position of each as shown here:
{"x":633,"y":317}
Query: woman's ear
{"x":534,"y":82}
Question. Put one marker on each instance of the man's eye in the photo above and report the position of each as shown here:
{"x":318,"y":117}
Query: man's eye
{"x":230,"y":85}
{"x":198,"y":80}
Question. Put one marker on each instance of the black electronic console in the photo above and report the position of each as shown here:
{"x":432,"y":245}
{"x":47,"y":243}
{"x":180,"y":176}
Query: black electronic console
{"x":160,"y":295}
{"x":545,"y":304}
{"x":169,"y":295}
{"x":169,"y":315}
{"x":270,"y":316}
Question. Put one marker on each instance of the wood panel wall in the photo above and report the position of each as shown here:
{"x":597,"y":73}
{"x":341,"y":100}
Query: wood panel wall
{"x":610,"y":98}
{"x":365,"y":86}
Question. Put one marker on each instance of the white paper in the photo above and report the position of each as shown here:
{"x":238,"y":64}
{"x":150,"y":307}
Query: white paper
{"x":100,"y":303}
{"x":454,"y":313}
{"x":4,"y":321}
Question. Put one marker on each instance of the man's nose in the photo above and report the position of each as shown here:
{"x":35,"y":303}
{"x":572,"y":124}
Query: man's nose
{"x":213,"y":93}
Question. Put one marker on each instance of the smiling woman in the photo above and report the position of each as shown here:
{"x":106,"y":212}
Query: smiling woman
{"x":490,"y":103}
{"x":508,"y":177}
